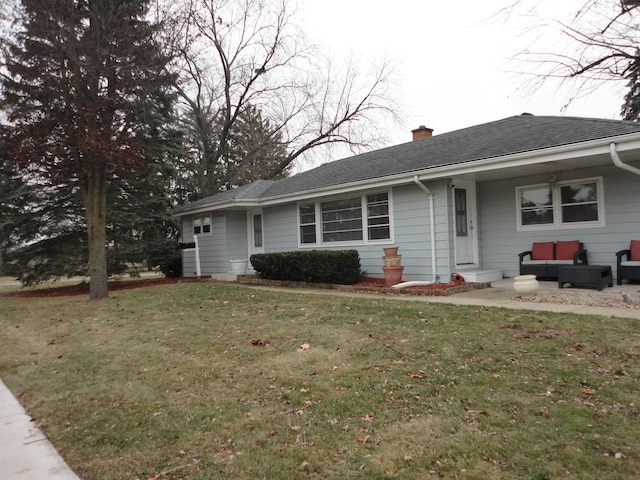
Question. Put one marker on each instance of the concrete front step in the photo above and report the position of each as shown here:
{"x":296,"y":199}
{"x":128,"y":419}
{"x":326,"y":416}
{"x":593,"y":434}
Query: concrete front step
{"x":480,"y":276}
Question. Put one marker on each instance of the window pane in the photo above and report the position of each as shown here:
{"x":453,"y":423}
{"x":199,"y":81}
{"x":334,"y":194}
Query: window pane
{"x":307,"y":214}
{"x":342,"y":236}
{"x":536,"y":206}
{"x":378,"y":216}
{"x":578,"y":193}
{"x":257,"y":231}
{"x":580,"y":213}
{"x":579,"y":202}
{"x":197,"y":226}
{"x":539,"y":216}
{"x":535,"y":197}
{"x":461,"y":212}
{"x":206,"y":224}
{"x":342,"y":220}
{"x":308,"y":233}
{"x":379,"y":233}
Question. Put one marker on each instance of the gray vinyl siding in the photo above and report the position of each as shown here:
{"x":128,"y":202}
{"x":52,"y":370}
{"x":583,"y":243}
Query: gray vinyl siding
{"x":210,"y":247}
{"x":411,"y":233}
{"x":500,"y":241}
{"x":281,"y":228}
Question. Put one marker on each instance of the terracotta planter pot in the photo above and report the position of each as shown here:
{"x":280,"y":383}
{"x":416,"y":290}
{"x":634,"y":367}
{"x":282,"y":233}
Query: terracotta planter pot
{"x":392,"y":260}
{"x":392,"y":275}
{"x":390,"y":251}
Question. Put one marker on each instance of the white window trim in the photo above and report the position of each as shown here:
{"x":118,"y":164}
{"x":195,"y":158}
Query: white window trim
{"x":557,"y":206}
{"x":201,"y":218}
{"x":365,"y":232}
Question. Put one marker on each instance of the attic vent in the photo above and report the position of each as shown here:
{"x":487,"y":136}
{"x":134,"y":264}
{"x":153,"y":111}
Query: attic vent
{"x":421,"y":132}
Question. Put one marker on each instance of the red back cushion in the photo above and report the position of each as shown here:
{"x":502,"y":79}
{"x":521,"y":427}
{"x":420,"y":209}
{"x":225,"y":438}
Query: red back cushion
{"x":635,"y":250}
{"x":565,"y":250}
{"x":542,"y":251}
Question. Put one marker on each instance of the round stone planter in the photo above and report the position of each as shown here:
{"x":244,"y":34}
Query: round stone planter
{"x":525,"y":285}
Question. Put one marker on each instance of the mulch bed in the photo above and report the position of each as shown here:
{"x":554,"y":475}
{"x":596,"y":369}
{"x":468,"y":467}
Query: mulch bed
{"x":372,"y":285}
{"x":366,"y":285}
{"x":83,"y":288}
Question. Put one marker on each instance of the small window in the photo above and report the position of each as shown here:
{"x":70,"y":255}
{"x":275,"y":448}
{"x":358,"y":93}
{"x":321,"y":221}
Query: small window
{"x":569,"y":204}
{"x":201,"y":225}
{"x":536,"y":206}
{"x":379,"y":227}
{"x":257,"y":231}
{"x":579,"y":202}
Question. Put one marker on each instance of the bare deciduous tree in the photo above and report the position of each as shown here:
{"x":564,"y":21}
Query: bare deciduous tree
{"x":601,"y":43}
{"x":244,"y":54}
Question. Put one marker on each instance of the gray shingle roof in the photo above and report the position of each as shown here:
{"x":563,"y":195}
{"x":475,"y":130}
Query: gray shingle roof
{"x":517,"y":134}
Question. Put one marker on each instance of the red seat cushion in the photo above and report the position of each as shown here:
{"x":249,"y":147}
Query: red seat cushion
{"x":565,"y":250}
{"x":542,"y":251}
{"x":635,"y":250}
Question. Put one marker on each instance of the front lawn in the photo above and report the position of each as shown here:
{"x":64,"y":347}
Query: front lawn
{"x":201,"y":381}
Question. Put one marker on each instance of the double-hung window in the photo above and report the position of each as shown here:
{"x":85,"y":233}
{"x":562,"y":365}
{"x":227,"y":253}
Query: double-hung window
{"x":202,"y":225}
{"x":567,"y":204}
{"x":360,"y":219}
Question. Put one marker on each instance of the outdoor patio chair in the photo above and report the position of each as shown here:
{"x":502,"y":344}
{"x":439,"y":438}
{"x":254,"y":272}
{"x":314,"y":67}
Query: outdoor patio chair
{"x":628,"y":263}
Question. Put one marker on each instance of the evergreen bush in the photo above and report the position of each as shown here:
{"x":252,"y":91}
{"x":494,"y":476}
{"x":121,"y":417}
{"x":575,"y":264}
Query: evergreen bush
{"x":315,"y":266}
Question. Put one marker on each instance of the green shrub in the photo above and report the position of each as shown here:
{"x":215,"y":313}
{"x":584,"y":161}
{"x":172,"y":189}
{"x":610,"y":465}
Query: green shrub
{"x":316,"y":266}
{"x":171,"y":265}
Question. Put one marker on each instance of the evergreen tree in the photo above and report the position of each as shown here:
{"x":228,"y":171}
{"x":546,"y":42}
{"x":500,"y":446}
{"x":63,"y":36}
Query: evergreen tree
{"x":631,"y":107}
{"x":88,"y":96}
{"x":254,"y":151}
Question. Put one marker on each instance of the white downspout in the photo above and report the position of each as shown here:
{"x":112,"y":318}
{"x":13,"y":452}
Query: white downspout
{"x":432,"y":222}
{"x":619,"y":163}
{"x":195,"y":240}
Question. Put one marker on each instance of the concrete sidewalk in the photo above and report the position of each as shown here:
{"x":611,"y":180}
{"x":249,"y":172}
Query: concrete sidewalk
{"x":25,"y":453}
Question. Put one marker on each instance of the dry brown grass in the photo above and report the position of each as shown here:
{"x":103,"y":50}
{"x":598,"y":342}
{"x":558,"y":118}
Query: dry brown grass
{"x":198,"y":380}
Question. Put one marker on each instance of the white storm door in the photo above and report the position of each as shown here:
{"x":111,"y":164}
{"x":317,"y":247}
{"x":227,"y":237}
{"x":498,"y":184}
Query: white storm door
{"x":464,"y":201}
{"x":256,"y":233}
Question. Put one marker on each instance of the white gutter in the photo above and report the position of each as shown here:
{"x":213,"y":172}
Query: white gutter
{"x":432,"y":221}
{"x":619,"y":163}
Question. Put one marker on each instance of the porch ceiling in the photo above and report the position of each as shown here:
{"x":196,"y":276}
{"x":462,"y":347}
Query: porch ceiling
{"x":549,"y":167}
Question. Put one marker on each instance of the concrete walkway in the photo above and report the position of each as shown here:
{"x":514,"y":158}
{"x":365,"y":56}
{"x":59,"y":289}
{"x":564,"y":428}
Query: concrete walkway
{"x":501,"y":294}
{"x":26,"y":454}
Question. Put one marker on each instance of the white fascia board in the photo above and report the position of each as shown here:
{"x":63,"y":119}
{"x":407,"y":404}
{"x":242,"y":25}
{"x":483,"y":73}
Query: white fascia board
{"x":220,"y":206}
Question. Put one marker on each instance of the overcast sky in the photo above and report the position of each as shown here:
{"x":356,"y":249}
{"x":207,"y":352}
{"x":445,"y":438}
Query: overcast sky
{"x":453,"y":63}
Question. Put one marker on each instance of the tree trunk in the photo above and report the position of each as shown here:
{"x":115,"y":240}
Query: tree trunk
{"x":95,"y":201}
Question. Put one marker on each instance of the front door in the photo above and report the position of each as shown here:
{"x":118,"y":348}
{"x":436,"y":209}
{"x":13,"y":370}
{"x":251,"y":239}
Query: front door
{"x":464,"y":201}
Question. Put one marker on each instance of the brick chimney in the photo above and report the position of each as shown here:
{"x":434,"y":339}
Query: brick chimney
{"x":421,"y":132}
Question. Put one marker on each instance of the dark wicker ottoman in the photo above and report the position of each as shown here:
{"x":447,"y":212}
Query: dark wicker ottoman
{"x":597,"y":276}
